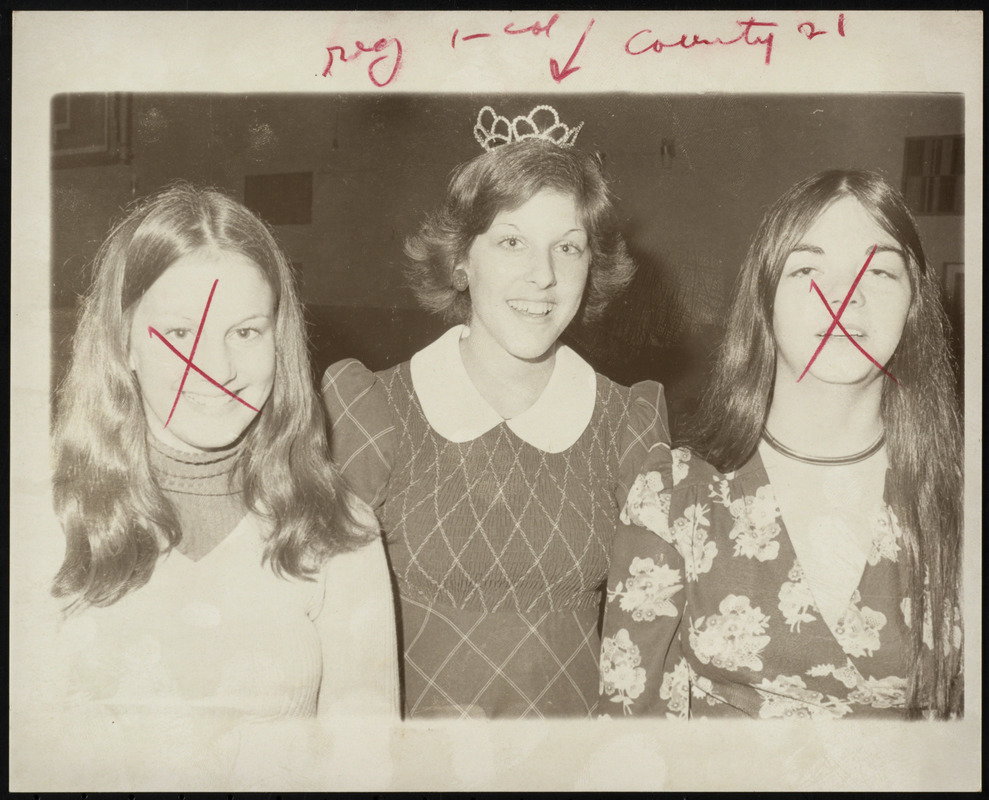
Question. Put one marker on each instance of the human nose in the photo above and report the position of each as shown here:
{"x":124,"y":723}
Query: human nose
{"x":838,"y":289}
{"x":214,"y":357}
{"x":542,"y":271}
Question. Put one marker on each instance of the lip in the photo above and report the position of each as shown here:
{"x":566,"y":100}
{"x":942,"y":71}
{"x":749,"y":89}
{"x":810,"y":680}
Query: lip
{"x":531,"y":309}
{"x":854,"y":333}
{"x":207,"y":400}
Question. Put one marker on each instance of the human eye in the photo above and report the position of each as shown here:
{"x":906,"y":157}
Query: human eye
{"x":890,"y":272}
{"x":179,"y":334}
{"x":887,"y":263}
{"x":246,"y":334}
{"x":511,"y":242}
{"x":570,"y":248}
{"x":800,"y":272}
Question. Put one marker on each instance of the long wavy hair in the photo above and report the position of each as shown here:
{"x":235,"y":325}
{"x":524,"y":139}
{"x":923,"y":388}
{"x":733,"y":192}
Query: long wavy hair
{"x":920,"y":415}
{"x":503,"y":179}
{"x":114,"y":515}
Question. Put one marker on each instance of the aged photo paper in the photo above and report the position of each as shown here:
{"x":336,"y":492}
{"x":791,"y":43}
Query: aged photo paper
{"x":696,"y":94}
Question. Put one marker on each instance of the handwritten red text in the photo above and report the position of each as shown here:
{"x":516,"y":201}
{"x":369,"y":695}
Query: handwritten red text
{"x":536,"y":29}
{"x":384,"y":56}
{"x":377,"y":70}
{"x":809,"y":29}
{"x":636,"y":44}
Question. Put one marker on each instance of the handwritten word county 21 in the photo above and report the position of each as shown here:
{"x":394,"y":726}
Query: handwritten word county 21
{"x":639,"y":42}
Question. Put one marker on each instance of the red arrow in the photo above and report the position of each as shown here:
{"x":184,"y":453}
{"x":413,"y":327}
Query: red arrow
{"x":554,"y":67}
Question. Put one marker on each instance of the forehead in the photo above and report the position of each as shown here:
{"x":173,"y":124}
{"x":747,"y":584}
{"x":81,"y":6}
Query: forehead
{"x":545,"y":206}
{"x":846,"y":220}
{"x":190,"y":279}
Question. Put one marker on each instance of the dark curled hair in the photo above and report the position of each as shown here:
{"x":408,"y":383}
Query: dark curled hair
{"x":920,"y":415}
{"x":114,"y":515}
{"x":504,"y":179}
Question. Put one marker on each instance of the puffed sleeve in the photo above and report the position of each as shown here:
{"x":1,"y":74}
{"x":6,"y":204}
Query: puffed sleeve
{"x":364,"y":435}
{"x":644,"y":608}
{"x":645,"y":426}
{"x":357,"y":631}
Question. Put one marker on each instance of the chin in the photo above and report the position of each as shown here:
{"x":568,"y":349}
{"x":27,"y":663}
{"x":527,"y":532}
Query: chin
{"x":535,"y":345}
{"x":215,"y":438}
{"x":846,"y":377}
{"x":532,"y":352}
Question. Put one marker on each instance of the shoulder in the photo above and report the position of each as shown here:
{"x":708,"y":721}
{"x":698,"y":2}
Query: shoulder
{"x":363,"y":422}
{"x":647,"y":405}
{"x":682,"y":469}
{"x":648,"y":394}
{"x":346,"y":382}
{"x":642,"y":413}
{"x":694,"y":477}
{"x":357,"y":400}
{"x":644,"y":397}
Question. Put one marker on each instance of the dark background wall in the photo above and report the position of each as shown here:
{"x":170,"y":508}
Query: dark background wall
{"x":693,"y":175}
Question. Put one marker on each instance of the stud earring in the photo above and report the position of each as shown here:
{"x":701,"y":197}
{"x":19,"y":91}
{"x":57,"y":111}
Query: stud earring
{"x":460,"y":280}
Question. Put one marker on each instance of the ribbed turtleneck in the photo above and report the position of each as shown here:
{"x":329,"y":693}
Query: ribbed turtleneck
{"x":205,"y":490}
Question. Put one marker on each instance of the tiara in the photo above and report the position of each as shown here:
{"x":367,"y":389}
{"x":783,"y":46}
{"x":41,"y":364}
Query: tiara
{"x":502,"y":131}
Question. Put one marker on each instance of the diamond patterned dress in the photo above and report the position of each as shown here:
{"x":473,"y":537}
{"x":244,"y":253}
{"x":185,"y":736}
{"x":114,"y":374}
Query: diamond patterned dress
{"x":499,"y":549}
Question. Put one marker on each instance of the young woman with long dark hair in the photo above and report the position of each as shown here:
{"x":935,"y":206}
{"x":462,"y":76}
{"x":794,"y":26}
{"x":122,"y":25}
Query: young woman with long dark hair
{"x":802,"y":557}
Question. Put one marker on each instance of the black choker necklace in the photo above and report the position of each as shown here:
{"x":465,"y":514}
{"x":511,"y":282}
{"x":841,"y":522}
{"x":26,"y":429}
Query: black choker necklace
{"x":824,"y":461}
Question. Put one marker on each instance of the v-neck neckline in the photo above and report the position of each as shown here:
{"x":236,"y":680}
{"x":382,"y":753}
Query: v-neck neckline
{"x":224,"y":543}
{"x":792,"y":551}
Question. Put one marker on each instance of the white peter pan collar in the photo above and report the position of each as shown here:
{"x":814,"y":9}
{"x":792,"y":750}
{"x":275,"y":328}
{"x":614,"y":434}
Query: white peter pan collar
{"x":458,"y":412}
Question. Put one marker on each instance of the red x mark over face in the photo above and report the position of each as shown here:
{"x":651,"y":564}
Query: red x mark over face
{"x":836,"y":321}
{"x":189,"y":365}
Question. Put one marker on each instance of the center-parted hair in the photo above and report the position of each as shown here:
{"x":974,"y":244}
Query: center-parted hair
{"x":114,"y":515}
{"x":503,"y":179}
{"x":920,"y":415}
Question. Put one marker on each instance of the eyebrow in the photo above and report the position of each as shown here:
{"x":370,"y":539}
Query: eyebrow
{"x":882,"y":248}
{"x":513,"y":225}
{"x":252,"y":318}
{"x":174,"y":316}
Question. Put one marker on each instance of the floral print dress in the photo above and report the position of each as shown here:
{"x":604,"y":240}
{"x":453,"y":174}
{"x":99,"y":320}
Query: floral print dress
{"x":709,"y":612}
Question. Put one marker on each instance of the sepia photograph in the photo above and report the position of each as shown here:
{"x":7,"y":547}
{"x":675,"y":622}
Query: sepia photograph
{"x":482,"y":433}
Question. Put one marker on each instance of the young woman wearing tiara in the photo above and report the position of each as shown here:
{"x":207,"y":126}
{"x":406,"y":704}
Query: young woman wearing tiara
{"x":214,"y":564}
{"x":802,"y":559}
{"x":493,"y":456}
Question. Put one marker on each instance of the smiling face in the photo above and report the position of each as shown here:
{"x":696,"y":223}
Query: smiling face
{"x":236,"y":349}
{"x":832,"y":253}
{"x":527,"y":275}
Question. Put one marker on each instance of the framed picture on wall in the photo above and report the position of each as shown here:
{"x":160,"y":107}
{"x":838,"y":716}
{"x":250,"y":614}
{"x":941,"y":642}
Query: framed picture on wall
{"x":90,"y":129}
